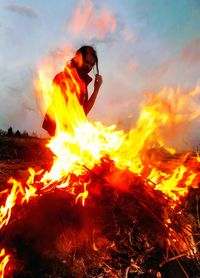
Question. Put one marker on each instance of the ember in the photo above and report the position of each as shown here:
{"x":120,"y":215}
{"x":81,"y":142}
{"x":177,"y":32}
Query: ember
{"x":109,"y":204}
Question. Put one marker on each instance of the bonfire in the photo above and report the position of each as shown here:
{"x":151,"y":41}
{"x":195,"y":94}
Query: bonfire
{"x":109,"y":203}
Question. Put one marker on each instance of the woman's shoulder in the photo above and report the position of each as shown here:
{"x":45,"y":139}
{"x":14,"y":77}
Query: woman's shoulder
{"x":59,"y":77}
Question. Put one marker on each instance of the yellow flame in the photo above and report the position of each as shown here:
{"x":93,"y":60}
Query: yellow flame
{"x":79,"y":145}
{"x":83,"y":195}
{"x":18,"y":194}
{"x":3,"y":263}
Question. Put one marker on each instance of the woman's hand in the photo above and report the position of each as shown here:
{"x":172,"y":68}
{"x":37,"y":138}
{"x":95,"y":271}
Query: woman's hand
{"x":98,"y":82}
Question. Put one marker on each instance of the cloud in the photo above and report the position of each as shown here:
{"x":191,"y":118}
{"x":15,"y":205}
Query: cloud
{"x":92,"y":22}
{"x":191,"y":52}
{"x":186,"y":61}
{"x":22,"y":10}
{"x":133,"y":65}
{"x":108,"y":40}
{"x":162,"y":69}
{"x":128,"y":35}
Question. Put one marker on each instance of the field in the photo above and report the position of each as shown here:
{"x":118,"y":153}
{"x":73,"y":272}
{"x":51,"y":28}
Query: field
{"x":17,"y":154}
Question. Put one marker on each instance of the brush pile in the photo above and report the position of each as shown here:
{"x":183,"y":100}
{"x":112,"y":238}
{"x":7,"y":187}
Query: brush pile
{"x":125,"y":229}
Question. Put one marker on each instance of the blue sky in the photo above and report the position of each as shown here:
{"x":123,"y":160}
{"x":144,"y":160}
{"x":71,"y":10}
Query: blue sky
{"x":143,"y":45}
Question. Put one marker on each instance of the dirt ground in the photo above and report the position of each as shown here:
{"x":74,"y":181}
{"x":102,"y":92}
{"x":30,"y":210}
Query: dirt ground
{"x":18,"y":154}
{"x":110,"y":216}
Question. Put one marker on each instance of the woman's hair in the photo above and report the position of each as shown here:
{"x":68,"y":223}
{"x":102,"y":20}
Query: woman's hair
{"x":84,"y":50}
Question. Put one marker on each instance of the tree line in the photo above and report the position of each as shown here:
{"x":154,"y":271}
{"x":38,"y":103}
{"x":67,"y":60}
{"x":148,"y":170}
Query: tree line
{"x":16,"y":133}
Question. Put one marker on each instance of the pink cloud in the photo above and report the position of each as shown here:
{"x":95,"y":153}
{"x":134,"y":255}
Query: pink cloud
{"x":105,"y":23}
{"x":133,"y":65}
{"x":91,"y":21}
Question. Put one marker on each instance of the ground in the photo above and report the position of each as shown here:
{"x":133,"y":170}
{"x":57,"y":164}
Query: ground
{"x":17,"y":154}
{"x":115,"y":235}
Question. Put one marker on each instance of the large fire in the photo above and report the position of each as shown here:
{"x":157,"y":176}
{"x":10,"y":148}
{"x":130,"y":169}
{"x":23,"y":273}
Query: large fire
{"x":80,"y":145}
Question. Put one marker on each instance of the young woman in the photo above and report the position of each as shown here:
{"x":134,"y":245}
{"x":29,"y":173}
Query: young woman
{"x":74,"y":78}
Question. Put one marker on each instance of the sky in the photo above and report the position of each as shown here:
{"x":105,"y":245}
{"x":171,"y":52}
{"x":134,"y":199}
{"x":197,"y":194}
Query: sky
{"x":142,"y":45}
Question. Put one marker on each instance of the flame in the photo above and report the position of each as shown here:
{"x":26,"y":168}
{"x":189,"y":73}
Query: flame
{"x":18,"y":195}
{"x":79,"y":145}
{"x":171,"y":184}
{"x":3,"y":263}
{"x":83,"y":195}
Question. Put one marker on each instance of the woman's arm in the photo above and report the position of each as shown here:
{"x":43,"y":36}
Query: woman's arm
{"x":97,"y":84}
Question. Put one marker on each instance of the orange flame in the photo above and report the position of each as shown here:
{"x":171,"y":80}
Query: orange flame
{"x":80,"y":144}
{"x":3,"y":262}
{"x":83,"y":195}
{"x":18,"y":194}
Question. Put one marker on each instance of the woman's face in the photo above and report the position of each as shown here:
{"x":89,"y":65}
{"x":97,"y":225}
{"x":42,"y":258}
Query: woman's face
{"x":88,"y":63}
